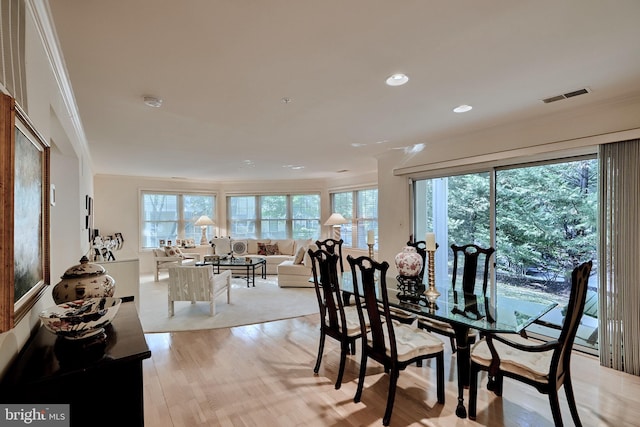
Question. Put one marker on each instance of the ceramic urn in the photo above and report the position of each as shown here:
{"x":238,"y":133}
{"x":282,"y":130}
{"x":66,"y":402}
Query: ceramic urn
{"x":409,"y":262}
{"x":85,"y":280}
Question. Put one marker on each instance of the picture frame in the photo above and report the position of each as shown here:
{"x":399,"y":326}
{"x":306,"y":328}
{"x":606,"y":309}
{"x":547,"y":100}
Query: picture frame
{"x":24,"y":212}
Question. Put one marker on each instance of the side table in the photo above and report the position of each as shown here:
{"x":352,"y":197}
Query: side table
{"x":102,"y":384}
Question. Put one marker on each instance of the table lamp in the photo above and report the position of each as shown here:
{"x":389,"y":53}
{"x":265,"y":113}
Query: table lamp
{"x":335,"y":220}
{"x":204,"y":221}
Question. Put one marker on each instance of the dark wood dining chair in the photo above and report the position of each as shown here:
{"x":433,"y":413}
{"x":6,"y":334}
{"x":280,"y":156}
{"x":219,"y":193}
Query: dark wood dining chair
{"x":545,"y":366}
{"x":469,"y":261}
{"x":336,"y":321}
{"x":332,"y":246}
{"x":393,"y":344}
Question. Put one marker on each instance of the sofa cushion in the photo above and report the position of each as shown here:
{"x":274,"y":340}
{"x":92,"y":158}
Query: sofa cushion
{"x":253,"y":244}
{"x":173,"y":251}
{"x":307,"y":258}
{"x":289,"y":268}
{"x":240,"y":247}
{"x":223,"y":245}
{"x":299,"y":255}
{"x":285,"y":246}
{"x":268,"y":249}
{"x":159,"y":253}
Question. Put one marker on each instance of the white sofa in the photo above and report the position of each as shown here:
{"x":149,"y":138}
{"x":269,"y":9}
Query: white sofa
{"x":279,"y":254}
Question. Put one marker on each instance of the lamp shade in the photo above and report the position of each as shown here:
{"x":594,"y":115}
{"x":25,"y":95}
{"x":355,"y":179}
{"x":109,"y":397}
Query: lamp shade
{"x":336,"y":219}
{"x":204,"y":220}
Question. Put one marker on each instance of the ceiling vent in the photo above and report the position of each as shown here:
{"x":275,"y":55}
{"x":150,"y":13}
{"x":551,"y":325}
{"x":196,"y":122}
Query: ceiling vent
{"x":566,"y":95}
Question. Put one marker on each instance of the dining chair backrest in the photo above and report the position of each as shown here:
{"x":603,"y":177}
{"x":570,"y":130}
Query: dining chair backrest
{"x":472,"y":256}
{"x":575,"y":307}
{"x":370,"y":286}
{"x":327,"y":287}
{"x":332,"y":246}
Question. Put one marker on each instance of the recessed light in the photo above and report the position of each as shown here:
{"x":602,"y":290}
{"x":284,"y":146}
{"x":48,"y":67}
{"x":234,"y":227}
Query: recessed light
{"x":462,"y":108}
{"x":152,"y":101}
{"x":397,"y":79}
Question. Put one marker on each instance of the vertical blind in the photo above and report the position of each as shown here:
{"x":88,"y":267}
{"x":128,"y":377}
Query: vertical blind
{"x":619,"y":256}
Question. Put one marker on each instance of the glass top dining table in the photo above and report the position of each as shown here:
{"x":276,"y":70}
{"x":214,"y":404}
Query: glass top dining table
{"x":501,"y":314}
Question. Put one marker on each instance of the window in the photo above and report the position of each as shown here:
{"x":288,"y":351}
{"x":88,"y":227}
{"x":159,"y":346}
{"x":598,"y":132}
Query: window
{"x":545,"y":225}
{"x":171,"y":216}
{"x":279,"y":216}
{"x":360,"y":207}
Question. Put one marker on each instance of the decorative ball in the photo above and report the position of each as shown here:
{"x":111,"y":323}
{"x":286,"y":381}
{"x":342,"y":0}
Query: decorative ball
{"x":82,"y":281}
{"x":75,"y":320}
{"x":409,"y":262}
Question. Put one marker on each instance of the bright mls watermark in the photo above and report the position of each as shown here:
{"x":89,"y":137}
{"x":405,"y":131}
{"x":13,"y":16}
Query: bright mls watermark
{"x":35,"y":415}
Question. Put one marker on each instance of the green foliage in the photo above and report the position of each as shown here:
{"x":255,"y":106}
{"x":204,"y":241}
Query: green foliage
{"x":546,"y":217}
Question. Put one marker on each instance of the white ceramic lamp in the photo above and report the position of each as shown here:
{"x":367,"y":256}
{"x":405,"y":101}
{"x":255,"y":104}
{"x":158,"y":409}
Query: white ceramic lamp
{"x":204,"y":221}
{"x":335,"y":220}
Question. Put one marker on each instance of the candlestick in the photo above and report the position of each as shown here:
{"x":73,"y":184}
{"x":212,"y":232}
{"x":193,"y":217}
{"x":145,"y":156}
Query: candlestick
{"x":370,"y":250}
{"x":432,"y":293}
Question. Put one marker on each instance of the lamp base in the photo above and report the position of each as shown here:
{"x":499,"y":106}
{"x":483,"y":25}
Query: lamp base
{"x":203,"y":239}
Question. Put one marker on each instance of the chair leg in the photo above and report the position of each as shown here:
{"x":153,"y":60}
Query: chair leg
{"x":571,"y":400}
{"x":363,"y":369}
{"x":344,"y":349}
{"x":555,"y":407}
{"x":473,"y":391}
{"x":499,"y":382}
{"x":320,"y":350}
{"x":393,"y":381}
{"x":440,"y":376}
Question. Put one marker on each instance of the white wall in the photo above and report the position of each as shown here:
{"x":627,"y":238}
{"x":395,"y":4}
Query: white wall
{"x":70,"y":172}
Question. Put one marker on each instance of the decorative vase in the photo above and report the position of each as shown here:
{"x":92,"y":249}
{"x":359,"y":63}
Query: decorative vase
{"x":409,"y":262}
{"x":82,"y":281}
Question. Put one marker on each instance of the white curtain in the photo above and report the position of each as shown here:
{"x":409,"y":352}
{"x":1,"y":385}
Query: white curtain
{"x":619,"y":256}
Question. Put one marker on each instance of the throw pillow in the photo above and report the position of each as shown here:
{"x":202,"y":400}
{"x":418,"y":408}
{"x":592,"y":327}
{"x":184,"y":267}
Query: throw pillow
{"x":173,"y":251}
{"x":307,"y":258}
{"x":300,"y":255}
{"x":262,"y":248}
{"x":272,"y":249}
{"x":239,"y":247}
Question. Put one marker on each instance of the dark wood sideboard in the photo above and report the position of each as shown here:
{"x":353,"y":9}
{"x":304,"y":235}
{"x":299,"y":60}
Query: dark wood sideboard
{"x":100,"y":380}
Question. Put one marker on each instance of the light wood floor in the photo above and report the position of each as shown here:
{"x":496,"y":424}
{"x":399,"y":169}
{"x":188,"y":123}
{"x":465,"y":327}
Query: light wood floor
{"x":262,"y":375}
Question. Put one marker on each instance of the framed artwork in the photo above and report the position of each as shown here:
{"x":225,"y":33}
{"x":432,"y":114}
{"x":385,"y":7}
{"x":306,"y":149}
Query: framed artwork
{"x":24,"y":213}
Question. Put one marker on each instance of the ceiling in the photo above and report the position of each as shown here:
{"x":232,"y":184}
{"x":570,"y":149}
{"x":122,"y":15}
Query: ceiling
{"x":224,"y":69}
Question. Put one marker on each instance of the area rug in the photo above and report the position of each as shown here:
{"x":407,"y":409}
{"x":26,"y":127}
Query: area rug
{"x":263,"y":303}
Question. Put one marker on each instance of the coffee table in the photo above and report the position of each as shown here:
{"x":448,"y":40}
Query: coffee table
{"x":248,"y":263}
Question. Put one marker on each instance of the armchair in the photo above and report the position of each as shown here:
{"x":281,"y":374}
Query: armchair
{"x":545,"y":366}
{"x":191,"y":283}
{"x":163,"y":261}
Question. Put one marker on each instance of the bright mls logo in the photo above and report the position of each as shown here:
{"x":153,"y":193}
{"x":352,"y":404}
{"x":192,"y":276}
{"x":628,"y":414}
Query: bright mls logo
{"x":35,"y":415}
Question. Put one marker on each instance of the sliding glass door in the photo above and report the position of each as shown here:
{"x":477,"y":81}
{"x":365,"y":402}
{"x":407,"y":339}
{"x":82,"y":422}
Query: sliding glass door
{"x":541,"y":218}
{"x":546,"y":219}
